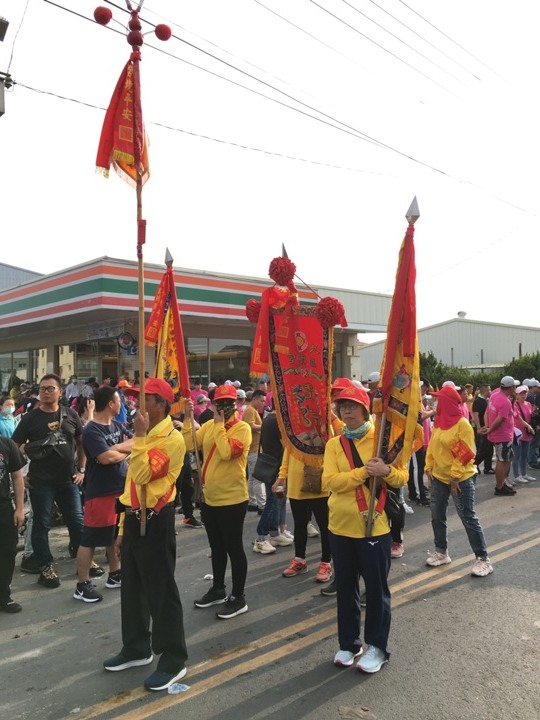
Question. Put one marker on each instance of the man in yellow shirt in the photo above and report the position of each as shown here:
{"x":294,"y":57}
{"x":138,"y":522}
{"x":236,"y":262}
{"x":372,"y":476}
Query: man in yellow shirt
{"x":148,"y":588}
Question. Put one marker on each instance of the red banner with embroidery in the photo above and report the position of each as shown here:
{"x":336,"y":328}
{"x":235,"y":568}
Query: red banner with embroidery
{"x":123,"y":140}
{"x":301,"y":381}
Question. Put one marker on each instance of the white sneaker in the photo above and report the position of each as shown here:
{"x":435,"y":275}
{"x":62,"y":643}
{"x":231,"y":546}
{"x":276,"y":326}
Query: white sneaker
{"x":482,"y":567}
{"x":287,"y":534}
{"x":408,"y":509}
{"x":280,"y":540}
{"x":312,"y":530}
{"x":434,"y":559}
{"x":520,"y":479}
{"x":510,"y":482}
{"x":263,"y":547}
{"x":345,"y":658}
{"x":372,"y":660}
{"x":530,"y":478}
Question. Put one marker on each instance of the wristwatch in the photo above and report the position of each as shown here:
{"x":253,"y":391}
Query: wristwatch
{"x":82,"y":470}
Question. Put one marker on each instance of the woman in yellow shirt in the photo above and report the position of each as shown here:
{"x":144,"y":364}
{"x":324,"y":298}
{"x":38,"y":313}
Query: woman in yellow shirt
{"x":348,"y":466}
{"x":450,"y":470}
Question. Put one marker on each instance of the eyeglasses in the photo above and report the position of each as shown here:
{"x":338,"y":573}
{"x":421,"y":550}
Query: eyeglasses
{"x":48,"y":388}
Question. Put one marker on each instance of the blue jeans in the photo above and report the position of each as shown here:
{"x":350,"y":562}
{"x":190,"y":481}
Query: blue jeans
{"x":519,"y":461}
{"x":68,"y":499}
{"x":464,"y":502}
{"x":268,"y":523}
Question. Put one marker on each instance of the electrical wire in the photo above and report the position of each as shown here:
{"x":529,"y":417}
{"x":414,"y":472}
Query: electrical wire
{"x":208,"y":137}
{"x":467,"y":70}
{"x":346,"y":128}
{"x":396,"y":37}
{"x":17,"y":34}
{"x":450,"y":39}
{"x":381,"y":47}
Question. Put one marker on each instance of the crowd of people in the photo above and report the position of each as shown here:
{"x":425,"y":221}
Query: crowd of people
{"x":111,"y":470}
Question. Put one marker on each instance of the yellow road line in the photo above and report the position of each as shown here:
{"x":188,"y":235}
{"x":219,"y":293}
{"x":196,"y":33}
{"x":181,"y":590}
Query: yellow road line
{"x":444,"y":577}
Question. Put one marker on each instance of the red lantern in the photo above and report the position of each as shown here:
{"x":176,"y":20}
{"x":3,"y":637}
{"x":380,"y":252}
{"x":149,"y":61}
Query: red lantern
{"x":253,"y":309}
{"x":330,"y":312}
{"x":282,"y":270}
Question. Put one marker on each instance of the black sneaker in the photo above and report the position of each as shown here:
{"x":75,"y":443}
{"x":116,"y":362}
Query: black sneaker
{"x":10,"y":606}
{"x":162,"y":680}
{"x":30,"y":565}
{"x":505,"y":490}
{"x":114,"y":580}
{"x":212,"y":597}
{"x":120,"y":662}
{"x":192,"y":522}
{"x":96,"y":571}
{"x":233,"y":607}
{"x":329,"y":590}
{"x":48,"y":578}
{"x":86,"y":592}
{"x":423,"y":502}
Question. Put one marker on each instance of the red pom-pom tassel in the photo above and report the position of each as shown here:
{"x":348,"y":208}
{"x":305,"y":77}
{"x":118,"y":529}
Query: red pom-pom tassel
{"x":253,"y":309}
{"x":330,"y":312}
{"x":163,"y":32}
{"x":102,"y":15}
{"x":282,"y":270}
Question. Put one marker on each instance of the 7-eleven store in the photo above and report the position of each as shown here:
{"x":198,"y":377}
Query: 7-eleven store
{"x":83,"y":320}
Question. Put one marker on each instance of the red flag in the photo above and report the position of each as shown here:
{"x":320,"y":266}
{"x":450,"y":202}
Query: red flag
{"x":123,"y":139}
{"x":165,"y":327}
{"x":399,"y":393}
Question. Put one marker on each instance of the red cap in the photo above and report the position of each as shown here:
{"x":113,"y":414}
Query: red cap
{"x":123,"y":383}
{"x":358,"y":395}
{"x":156,"y":386}
{"x":225,"y":392}
{"x":341,"y":384}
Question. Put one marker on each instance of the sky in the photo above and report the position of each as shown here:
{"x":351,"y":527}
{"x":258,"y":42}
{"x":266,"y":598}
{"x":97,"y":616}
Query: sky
{"x":311,"y":123}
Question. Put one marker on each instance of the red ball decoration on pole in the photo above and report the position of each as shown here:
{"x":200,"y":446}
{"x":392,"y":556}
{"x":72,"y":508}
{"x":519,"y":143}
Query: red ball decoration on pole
{"x":102,"y":15}
{"x":163,"y":32}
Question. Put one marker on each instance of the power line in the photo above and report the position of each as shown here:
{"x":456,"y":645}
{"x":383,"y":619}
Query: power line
{"x":450,"y":39}
{"x":396,"y":37}
{"x":467,"y":70}
{"x":381,"y":47}
{"x":17,"y":34}
{"x":207,"y":137}
{"x":349,"y":130}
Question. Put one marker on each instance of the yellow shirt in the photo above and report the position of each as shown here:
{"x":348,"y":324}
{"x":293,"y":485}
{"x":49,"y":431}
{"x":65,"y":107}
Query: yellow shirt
{"x":252,"y":416}
{"x":345,"y":517}
{"x":165,"y":438}
{"x":293,"y":470}
{"x":441,"y":461}
{"x":225,"y":472}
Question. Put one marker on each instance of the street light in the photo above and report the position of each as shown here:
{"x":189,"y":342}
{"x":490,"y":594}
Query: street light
{"x":3,"y":77}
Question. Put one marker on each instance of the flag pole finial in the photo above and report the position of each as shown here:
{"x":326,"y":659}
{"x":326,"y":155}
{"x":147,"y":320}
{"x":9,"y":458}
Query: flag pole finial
{"x":169,"y":260}
{"x":413,"y":213}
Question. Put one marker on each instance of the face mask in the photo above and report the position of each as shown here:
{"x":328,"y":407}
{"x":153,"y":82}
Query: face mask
{"x":8,"y":410}
{"x":227,"y":409}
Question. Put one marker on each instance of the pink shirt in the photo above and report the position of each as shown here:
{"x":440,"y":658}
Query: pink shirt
{"x":523,"y":411}
{"x":499,"y":405}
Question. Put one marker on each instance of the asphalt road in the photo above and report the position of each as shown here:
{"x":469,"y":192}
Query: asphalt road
{"x":462,"y":647}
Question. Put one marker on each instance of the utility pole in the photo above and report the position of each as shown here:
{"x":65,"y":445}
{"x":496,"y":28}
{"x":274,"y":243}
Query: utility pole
{"x":5,"y":78}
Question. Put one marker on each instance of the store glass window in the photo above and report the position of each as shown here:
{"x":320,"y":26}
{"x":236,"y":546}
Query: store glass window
{"x":197,"y":357}
{"x":229,"y":360}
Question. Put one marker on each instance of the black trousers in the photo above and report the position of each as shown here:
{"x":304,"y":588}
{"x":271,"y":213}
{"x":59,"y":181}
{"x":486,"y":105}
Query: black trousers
{"x":369,"y":558}
{"x":149,"y":590}
{"x":420,"y":465}
{"x":8,"y":549}
{"x":301,"y":512}
{"x":185,"y":489}
{"x":484,"y":452}
{"x":224,"y":525}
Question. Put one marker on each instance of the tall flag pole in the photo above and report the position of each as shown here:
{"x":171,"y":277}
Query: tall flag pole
{"x":164,"y":331}
{"x":397,"y":401}
{"x":123,"y":145}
